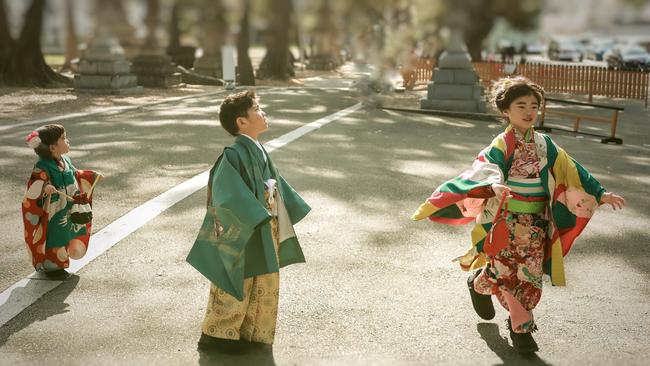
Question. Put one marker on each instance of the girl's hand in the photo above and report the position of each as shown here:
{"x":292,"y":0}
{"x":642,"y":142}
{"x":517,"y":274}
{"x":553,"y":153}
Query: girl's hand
{"x":499,"y":189}
{"x":613,"y":199}
{"x":49,"y":189}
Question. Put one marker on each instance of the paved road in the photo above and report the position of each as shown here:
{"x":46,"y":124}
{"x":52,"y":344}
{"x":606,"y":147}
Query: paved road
{"x":377,"y":288}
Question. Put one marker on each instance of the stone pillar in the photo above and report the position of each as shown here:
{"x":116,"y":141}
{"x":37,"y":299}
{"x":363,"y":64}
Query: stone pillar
{"x":104,"y":69}
{"x":152,"y":66}
{"x":455,"y":85}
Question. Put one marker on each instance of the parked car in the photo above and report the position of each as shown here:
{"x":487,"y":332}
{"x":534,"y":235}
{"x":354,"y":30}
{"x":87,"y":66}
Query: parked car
{"x":596,"y":50}
{"x":535,"y":48}
{"x":628,"y":57}
{"x":564,"y":50}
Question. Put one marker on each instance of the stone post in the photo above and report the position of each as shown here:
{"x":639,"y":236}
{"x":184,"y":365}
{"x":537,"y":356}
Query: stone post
{"x":455,"y":85}
{"x":104,"y":69}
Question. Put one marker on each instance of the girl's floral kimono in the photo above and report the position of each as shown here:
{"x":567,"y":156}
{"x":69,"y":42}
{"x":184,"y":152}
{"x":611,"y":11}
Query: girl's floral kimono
{"x":50,"y":234}
{"x":553,"y":199}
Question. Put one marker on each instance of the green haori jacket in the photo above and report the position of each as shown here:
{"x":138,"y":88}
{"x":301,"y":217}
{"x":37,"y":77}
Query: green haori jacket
{"x":235,"y":239}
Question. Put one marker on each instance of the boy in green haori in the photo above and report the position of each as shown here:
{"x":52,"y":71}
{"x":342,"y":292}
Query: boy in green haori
{"x":247,"y":233}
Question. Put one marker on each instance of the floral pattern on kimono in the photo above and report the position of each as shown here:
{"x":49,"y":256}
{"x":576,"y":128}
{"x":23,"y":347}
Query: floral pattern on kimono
{"x":518,"y":268}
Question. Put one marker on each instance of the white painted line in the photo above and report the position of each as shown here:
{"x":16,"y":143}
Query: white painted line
{"x":288,"y":137}
{"x":108,"y":111}
{"x":26,"y":291}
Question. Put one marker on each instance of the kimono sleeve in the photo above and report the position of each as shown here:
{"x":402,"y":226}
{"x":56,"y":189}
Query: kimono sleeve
{"x":459,"y":200}
{"x":232,"y":215}
{"x":230,"y":192}
{"x":85,"y":178}
{"x":34,"y":214}
{"x":573,"y":177}
{"x":297,"y":208}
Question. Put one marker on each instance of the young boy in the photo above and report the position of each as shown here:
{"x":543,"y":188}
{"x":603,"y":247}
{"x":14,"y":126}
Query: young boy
{"x":247,"y":233}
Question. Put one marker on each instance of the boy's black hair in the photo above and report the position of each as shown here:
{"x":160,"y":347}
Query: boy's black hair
{"x":234,"y":106}
{"x":506,"y":90}
{"x":49,"y":135}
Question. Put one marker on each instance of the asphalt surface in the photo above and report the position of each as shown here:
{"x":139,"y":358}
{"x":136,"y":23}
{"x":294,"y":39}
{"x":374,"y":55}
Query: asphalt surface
{"x":376,"y":288}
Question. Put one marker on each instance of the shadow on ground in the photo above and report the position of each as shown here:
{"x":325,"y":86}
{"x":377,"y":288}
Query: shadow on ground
{"x":55,"y":305}
{"x":500,"y":346}
{"x":250,"y":354}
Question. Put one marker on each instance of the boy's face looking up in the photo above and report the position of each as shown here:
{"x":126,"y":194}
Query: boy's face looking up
{"x":254,"y":123}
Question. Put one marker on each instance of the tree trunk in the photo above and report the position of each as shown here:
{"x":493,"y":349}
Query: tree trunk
{"x":326,"y":51}
{"x":174,"y":28}
{"x":213,"y":34}
{"x":71,"y":49}
{"x":244,"y":64}
{"x":477,"y":31}
{"x":7,"y":44}
{"x":151,"y":21}
{"x":25,"y":64}
{"x":475,"y":47}
{"x":277,"y":61}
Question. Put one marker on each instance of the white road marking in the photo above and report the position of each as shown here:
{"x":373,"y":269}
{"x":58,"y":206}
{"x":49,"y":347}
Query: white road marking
{"x":28,"y":290}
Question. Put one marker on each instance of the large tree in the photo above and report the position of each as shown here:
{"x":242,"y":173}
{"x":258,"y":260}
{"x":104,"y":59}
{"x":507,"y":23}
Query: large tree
{"x":244,"y":64}
{"x":21,"y":61}
{"x":71,"y":48}
{"x":277,"y":62}
{"x":480,"y":17}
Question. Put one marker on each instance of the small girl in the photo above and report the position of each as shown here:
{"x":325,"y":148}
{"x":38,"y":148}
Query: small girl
{"x":57,"y":204}
{"x":530,"y":201}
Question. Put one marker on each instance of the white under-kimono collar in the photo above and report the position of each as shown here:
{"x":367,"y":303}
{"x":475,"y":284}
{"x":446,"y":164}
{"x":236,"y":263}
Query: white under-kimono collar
{"x":256,"y":143}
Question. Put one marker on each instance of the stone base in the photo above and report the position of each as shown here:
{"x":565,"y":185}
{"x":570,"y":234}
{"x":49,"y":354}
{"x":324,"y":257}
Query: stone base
{"x":457,"y":105}
{"x":453,"y":91}
{"x":126,"y":91}
{"x":104,"y":67}
{"x":183,"y":56}
{"x":455,"y":76}
{"x":123,"y":81}
{"x":209,"y":66}
{"x":155,"y":70}
{"x":160,"y":81}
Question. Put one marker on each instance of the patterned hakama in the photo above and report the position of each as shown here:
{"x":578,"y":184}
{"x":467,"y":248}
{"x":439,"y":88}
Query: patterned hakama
{"x":252,"y":319}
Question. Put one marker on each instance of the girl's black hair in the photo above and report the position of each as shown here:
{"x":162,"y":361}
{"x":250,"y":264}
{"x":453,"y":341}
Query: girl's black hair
{"x":49,"y":135}
{"x":506,"y":90}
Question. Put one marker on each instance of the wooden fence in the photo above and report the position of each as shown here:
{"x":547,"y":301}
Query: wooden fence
{"x":572,"y":79}
{"x":419,"y":72}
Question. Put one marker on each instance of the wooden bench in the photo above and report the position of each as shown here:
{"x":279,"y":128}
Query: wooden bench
{"x":613,"y":120}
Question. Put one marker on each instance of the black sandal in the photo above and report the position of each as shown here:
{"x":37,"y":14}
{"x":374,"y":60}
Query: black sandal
{"x":482,"y":303}
{"x":58,"y":275}
{"x":523,"y":342}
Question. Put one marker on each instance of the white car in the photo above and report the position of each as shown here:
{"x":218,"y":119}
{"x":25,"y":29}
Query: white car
{"x":627,"y":57}
{"x":564,"y":50}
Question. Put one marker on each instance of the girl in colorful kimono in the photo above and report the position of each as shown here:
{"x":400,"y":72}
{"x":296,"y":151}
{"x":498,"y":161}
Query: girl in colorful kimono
{"x":529,"y":200}
{"x":56,"y":207}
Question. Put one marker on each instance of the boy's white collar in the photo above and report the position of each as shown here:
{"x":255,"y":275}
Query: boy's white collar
{"x":259,"y":145}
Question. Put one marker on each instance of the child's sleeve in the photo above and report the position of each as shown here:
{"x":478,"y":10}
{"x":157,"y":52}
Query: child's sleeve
{"x":232,"y":193}
{"x":34,"y":211}
{"x":569,"y":172}
{"x":85,"y":178}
